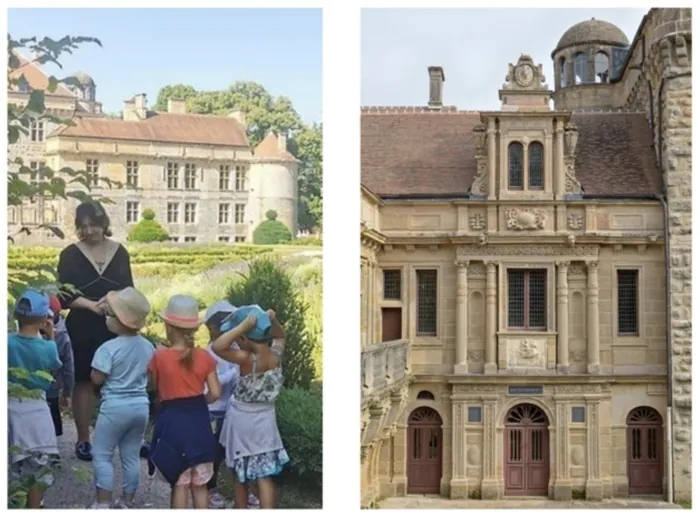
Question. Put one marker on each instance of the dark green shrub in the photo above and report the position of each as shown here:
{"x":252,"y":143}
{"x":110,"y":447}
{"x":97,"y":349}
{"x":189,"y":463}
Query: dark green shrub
{"x":271,"y":232}
{"x":300,"y":421}
{"x":148,"y":230}
{"x":268,"y":285}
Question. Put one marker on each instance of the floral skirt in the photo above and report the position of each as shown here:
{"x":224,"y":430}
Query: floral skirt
{"x":260,"y":466}
{"x":35,"y":470}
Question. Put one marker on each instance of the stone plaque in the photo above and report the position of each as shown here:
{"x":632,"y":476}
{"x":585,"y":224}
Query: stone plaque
{"x":525,"y":390}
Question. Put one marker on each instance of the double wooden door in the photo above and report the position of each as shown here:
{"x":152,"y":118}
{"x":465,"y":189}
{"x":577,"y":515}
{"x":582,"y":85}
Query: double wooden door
{"x":526,"y":452}
{"x":424,"y":468}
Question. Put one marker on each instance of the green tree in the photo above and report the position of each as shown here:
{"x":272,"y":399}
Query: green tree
{"x":148,"y":230}
{"x":264,"y":113}
{"x":270,"y":286}
{"x":271,"y":231}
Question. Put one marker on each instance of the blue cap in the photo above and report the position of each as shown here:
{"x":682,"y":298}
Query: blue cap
{"x":33,"y":304}
{"x":260,"y":332}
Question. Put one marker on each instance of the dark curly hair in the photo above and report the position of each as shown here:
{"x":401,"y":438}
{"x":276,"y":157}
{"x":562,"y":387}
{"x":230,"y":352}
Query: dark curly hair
{"x":95,"y":212}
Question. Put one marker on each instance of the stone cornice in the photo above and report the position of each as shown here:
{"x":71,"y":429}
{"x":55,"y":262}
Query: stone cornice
{"x":477,"y":240}
{"x":370,"y":237}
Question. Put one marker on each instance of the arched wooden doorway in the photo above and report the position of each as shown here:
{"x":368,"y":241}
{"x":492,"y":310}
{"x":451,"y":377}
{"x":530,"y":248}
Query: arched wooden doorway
{"x":645,"y":448}
{"x":424,"y":454}
{"x":526,"y":451}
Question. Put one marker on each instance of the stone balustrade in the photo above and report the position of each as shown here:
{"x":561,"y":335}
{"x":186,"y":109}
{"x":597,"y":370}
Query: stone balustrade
{"x":385,"y":366}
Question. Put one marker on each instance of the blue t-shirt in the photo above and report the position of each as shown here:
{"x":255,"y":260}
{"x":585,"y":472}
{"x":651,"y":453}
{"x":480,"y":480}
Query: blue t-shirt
{"x":125,"y":361}
{"x":33,"y":354}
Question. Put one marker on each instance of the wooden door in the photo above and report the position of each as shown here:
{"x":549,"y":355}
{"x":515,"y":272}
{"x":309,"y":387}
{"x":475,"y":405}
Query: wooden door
{"x":391,"y":324}
{"x":526,"y":452}
{"x":424,"y":455}
{"x":645,"y":447}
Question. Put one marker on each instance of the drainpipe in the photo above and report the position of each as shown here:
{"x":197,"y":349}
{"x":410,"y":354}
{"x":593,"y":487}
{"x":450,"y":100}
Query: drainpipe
{"x":669,"y":356}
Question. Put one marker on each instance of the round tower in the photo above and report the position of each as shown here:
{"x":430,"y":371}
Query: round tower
{"x":272,"y":184}
{"x":583,"y":65}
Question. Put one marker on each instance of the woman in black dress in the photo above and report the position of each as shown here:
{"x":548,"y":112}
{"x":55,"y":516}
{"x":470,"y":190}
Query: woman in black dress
{"x":94,"y":266}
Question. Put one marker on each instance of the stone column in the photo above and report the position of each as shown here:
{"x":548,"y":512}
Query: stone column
{"x":491,"y":144}
{"x":372,"y":303}
{"x":593,"y":321}
{"x":461,"y":366}
{"x":490,"y":365}
{"x":594,"y":486}
{"x":458,"y":484}
{"x":559,"y":183}
{"x":548,"y":153}
{"x":562,"y":317}
{"x":363,"y":302}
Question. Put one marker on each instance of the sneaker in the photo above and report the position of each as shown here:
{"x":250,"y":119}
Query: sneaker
{"x":41,"y":505}
{"x":121,"y":504}
{"x":97,"y":505}
{"x":253,"y":501}
{"x":216,"y":501}
{"x":145,"y":451}
{"x":83,"y":450}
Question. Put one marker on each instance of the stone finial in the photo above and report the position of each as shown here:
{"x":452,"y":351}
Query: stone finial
{"x":437,"y":79}
{"x":570,"y":138}
{"x":480,"y":137}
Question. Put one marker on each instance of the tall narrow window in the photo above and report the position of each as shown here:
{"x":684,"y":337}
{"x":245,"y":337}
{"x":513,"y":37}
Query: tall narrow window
{"x":132,"y":173}
{"x":92,"y":168}
{"x":392,"y":284}
{"x":628,"y":302}
{"x":173,"y":213}
{"x":224,"y":177}
{"x":37,"y":130}
{"x":173,"y":175}
{"x":132,"y":211}
{"x":37,"y":174}
{"x":602,"y":68}
{"x":527,"y":305}
{"x":240,"y":178}
{"x":580,"y":68}
{"x":562,"y":72}
{"x":190,"y":177}
{"x":239,"y":213}
{"x":224,"y":213}
{"x":426,"y":314}
{"x":515,"y":165}
{"x":190,"y":213}
{"x":535,"y":168}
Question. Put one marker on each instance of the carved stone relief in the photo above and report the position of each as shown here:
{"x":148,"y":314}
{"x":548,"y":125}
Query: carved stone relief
{"x":479,"y":184}
{"x":475,"y":356}
{"x":526,"y":353}
{"x":476,"y":269}
{"x":577,"y":270}
{"x":539,"y":250}
{"x":575,"y":221}
{"x":572,"y":185}
{"x":466,"y":389}
{"x":572,"y":389}
{"x":477,"y":221}
{"x":525,"y":219}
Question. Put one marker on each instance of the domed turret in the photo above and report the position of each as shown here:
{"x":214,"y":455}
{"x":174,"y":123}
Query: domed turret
{"x":83,"y":78}
{"x":83,"y":86}
{"x":583,"y":58}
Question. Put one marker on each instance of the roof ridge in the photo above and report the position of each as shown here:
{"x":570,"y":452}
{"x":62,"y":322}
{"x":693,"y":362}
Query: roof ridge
{"x":391,"y":110}
{"x":607,"y":111}
{"x":211,"y":115}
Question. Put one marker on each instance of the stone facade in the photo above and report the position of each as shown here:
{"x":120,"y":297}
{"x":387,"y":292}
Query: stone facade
{"x":589,"y":380}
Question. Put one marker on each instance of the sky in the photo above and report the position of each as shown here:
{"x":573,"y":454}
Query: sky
{"x":474,"y":47}
{"x":146,"y":49}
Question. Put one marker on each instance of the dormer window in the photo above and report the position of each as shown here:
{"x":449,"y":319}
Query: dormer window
{"x":535,"y":169}
{"x":515,"y":165}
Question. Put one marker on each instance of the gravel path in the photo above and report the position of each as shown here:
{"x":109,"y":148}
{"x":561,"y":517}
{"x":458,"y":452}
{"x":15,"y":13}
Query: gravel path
{"x":68,"y":492}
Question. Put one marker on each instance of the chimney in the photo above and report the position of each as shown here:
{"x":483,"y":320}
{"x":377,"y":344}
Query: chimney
{"x":176,"y":106}
{"x":135,"y":109}
{"x":437,"y":79}
{"x":282,"y":141}
{"x":239,"y":116}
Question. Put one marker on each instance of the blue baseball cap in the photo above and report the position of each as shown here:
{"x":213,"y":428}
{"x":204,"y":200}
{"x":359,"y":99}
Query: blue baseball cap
{"x":263,"y":324}
{"x":33,"y":304}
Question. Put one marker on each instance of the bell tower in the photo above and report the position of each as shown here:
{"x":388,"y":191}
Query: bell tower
{"x":525,"y":89}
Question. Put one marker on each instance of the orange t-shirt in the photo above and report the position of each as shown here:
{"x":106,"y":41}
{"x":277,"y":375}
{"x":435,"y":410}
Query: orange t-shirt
{"x":174,"y":380}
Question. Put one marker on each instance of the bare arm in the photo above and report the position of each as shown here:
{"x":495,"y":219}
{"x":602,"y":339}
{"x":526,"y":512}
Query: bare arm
{"x":213,"y":387}
{"x":277,"y":333}
{"x":222,"y":345}
{"x":97,"y":377}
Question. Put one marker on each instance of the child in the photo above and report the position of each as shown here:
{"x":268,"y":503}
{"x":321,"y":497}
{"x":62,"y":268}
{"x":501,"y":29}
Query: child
{"x":30,"y":426}
{"x":120,"y":367}
{"x":183,"y":448}
{"x":228,"y":376}
{"x":254,"y":449}
{"x":64,"y":378}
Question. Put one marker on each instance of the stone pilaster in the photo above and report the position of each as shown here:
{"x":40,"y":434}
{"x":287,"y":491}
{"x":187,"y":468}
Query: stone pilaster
{"x":490,"y":484}
{"x":364,"y":301}
{"x":458,"y":483}
{"x":562,"y":317}
{"x":490,"y":366}
{"x":562,"y":480}
{"x":462,"y":315}
{"x":593,"y":320}
{"x":559,"y":170}
{"x":548,"y":180}
{"x":594,"y":486}
{"x":399,"y":479}
{"x":491,"y":133}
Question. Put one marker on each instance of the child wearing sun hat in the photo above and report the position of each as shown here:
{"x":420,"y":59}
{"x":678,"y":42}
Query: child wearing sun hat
{"x":120,"y":367}
{"x":183,"y":448}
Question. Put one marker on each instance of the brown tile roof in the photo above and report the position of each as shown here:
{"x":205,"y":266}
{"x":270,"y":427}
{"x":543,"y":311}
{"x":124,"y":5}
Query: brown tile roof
{"x":269,"y":148}
{"x":163,"y":127}
{"x":415,"y":151}
{"x":36,"y":77}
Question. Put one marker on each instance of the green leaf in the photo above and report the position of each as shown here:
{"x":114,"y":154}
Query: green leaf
{"x":53,"y":84}
{"x":36,"y":102}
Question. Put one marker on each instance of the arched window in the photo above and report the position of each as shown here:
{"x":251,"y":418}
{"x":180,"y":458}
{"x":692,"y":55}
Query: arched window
{"x":425,"y":394}
{"x":580,"y":68}
{"x":562,"y":72}
{"x":602,"y":68}
{"x":515,"y":165}
{"x":535,"y":166}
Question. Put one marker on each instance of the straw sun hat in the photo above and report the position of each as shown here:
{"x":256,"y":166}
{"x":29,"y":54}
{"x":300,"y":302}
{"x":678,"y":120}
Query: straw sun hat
{"x":182,"y":311}
{"x":130,"y":307}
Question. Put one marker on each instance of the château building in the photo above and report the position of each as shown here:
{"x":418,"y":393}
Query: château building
{"x":199,"y":173}
{"x":526,"y":278}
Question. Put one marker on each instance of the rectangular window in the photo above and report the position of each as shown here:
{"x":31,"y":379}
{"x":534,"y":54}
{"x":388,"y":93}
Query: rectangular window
{"x":224,"y":213}
{"x":239,"y":214}
{"x":474,"y":414}
{"x":173,"y":175}
{"x":190,"y":212}
{"x":515,"y":165}
{"x":224,"y":177}
{"x":132,"y":211}
{"x":392,"y":284}
{"x":426,"y":308}
{"x":173,"y":213}
{"x":239,"y":239}
{"x":190,"y":177}
{"x":37,"y":131}
{"x":240,"y":178}
{"x":37,"y":174}
{"x":535,"y":166}
{"x":190,"y":239}
{"x":132,"y":173}
{"x":527,"y":308}
{"x":578,"y":414}
{"x":92,"y":168}
{"x":224,"y":239}
{"x":628,"y":302}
